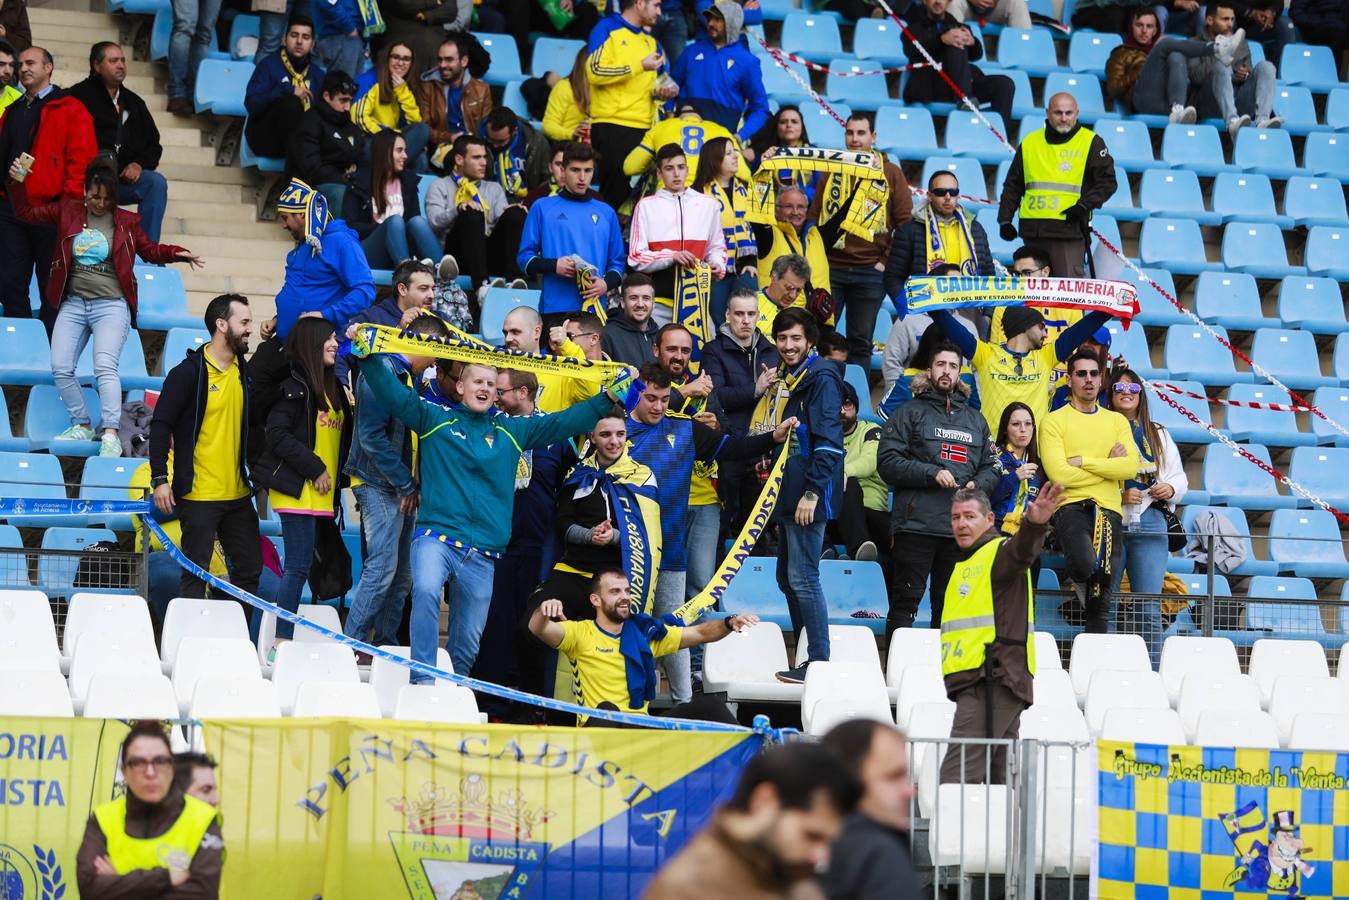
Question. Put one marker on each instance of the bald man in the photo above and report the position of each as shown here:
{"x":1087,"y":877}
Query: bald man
{"x":1060,"y":175}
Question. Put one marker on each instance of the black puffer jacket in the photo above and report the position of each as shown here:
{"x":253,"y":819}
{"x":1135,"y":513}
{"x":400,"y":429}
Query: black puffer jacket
{"x":289,"y":459}
{"x":931,"y":432}
{"x":908,"y":250}
{"x":324,"y":145}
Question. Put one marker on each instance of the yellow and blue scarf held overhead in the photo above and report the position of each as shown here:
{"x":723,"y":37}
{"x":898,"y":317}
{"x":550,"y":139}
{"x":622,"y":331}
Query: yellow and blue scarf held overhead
{"x":857,"y":183}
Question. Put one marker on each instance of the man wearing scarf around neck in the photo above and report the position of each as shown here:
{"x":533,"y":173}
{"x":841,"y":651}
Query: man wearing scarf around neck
{"x":614,"y":655}
{"x":282,"y":88}
{"x":941,"y":233}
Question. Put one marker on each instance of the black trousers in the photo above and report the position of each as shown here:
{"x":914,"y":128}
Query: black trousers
{"x":235,"y":524}
{"x":480,"y":255}
{"x":916,"y":560}
{"x":506,"y":643}
{"x":23,"y":248}
{"x":1091,"y":539}
{"x":738,"y":486}
{"x":613,"y":143}
{"x":927,"y":85}
{"x":856,"y":524}
{"x":268,"y":133}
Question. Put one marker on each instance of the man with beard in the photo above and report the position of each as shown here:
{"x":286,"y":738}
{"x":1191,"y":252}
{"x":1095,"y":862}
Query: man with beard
{"x":932,"y":445}
{"x":1060,"y":174}
{"x":613,"y":655}
{"x":772,"y":836}
{"x":202,"y":414}
{"x":629,"y":335}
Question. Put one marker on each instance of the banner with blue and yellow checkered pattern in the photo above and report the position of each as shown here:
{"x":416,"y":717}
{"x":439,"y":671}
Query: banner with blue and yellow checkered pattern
{"x":1205,"y":823}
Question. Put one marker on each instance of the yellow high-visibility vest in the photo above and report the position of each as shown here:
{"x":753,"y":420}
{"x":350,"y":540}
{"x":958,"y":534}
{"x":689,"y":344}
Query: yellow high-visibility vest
{"x":172,"y":849}
{"x":1053,"y":173}
{"x":968,"y":626}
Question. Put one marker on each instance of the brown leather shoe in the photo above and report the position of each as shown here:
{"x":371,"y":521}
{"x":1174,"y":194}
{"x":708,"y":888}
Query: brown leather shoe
{"x":181,"y":106}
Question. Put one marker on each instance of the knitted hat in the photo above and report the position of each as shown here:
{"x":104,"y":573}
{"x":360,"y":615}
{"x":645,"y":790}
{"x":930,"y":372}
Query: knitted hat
{"x":299,"y":197}
{"x":850,"y":395}
{"x":1019,"y":319}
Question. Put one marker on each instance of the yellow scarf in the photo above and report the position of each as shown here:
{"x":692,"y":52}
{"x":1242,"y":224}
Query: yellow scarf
{"x":466,"y":191}
{"x":872,"y":196}
{"x":848,"y":170}
{"x":296,"y":78}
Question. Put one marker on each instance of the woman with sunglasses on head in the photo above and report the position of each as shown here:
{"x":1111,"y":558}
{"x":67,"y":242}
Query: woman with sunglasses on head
{"x":154,"y":841}
{"x":1161,"y":481}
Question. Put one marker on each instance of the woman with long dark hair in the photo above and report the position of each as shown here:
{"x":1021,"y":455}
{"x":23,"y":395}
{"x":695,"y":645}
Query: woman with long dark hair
{"x":387,"y":101}
{"x":92,"y":289}
{"x":719,"y":161}
{"x":1161,"y":481}
{"x":382,"y":206}
{"x":308,"y":435}
{"x":1022,"y":478}
{"x":787,"y":128}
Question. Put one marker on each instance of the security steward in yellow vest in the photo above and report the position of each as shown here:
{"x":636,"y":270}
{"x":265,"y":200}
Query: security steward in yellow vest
{"x":988,"y":631}
{"x":1060,"y":175}
{"x":154,"y":841}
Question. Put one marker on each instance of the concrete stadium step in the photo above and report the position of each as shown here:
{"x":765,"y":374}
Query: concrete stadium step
{"x":176,"y":169}
{"x":47,"y":14}
{"x":190,"y":191}
{"x":73,"y":56}
{"x":217,"y":280}
{"x":209,"y":230}
{"x":250,"y":250}
{"x":171,"y":136}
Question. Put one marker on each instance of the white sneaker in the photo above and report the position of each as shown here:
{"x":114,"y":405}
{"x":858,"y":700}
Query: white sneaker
{"x":79,"y":433}
{"x":518,"y":284}
{"x":1235,"y":124}
{"x":449,"y":268}
{"x":1226,"y":47}
{"x":110,"y":445}
{"x":1183,"y":115}
{"x":1269,"y":122}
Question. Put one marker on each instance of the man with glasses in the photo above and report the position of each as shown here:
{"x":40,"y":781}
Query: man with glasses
{"x":1091,"y":452}
{"x":792,"y":234}
{"x":941,"y":233}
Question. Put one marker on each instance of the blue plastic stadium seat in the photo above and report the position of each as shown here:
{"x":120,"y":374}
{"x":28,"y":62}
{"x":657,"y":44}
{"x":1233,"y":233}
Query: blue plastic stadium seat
{"x":221,"y":84}
{"x":1194,"y":147}
{"x":1290,"y":356}
{"x":1132,"y":345}
{"x":879,"y":40}
{"x":1231,"y":299}
{"x":1174,"y":192}
{"x":755,"y":590}
{"x":1174,"y":244}
{"x":1321,"y":471}
{"x":967,"y":171}
{"x":1312,"y":304}
{"x":1191,"y":353}
{"x":162,"y":300}
{"x":1181,"y":428}
{"x":1000,"y":178}
{"x":1121,"y":203}
{"x":25,"y":355}
{"x":1339,"y":362}
{"x":1337,"y":109}
{"x":176,"y":344}
{"x":1154,"y":308}
{"x":1029,"y":49}
{"x":496,"y":304}
{"x":109,"y":478}
{"x":8,"y":442}
{"x":1030,"y":123}
{"x":1084,"y":87}
{"x":505,"y":58}
{"x":1233,"y":480}
{"x":245,"y":25}
{"x":1310,"y":66}
{"x":1257,"y":247}
{"x":513,"y":99}
{"x":56,"y":574}
{"x":1327,"y":251}
{"x":250,"y":160}
{"x":551,"y":54}
{"x":781,"y":87}
{"x":161,"y":32}
{"x":905,"y":131}
{"x":1319,"y":553}
{"x":967,"y":135}
{"x":810,"y":36}
{"x":1089,"y":50}
{"x":1285,"y":620}
{"x":1251,"y":565}
{"x":140,"y":7}
{"x":1315,"y":201}
{"x":857,"y":377}
{"x":45,"y":417}
{"x":1327,"y":153}
{"x":1264,"y":150}
{"x":1128,"y":141}
{"x":131,"y":365}
{"x":777,"y":10}
{"x":1023,"y":98}
{"x":34,"y":476}
{"x":1002,"y":250}
{"x":1334,"y":402}
{"x":1296,"y":107}
{"x":865,"y":88}
{"x":851,"y":587}
{"x":1273,"y":428}
{"x":1248,"y":196}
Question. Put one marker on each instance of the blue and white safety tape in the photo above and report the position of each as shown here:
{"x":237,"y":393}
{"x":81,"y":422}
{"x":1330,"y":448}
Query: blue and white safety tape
{"x":22,"y":506}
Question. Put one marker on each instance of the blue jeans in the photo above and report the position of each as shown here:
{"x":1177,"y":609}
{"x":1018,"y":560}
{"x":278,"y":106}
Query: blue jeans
{"x":150,"y":193}
{"x":1254,"y":97}
{"x":469,"y":575}
{"x":1144,"y":558}
{"x":297,"y":540}
{"x":191,"y":38}
{"x":387,"y":245}
{"x":799,"y":579}
{"x":340,"y":53}
{"x":109,"y":321}
{"x":669,"y":597}
{"x":386,"y":576}
{"x":1164,"y":80}
{"x":271,"y":29}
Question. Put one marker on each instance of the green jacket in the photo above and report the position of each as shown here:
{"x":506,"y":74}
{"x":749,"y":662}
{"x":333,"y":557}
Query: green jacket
{"x":467,"y":462}
{"x":859,"y":461}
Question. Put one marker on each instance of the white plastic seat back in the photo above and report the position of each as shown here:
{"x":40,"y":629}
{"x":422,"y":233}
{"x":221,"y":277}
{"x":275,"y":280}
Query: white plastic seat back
{"x":847,"y":643}
{"x":1182,"y":654}
{"x":836,"y":679}
{"x":970,"y":828}
{"x":755,"y":654}
{"x":1053,"y":723}
{"x":234,"y":698}
{"x":1295,"y":694}
{"x":113,"y":695}
{"x":388,"y":678}
{"x":319,"y":613}
{"x":868,"y":700}
{"x":41,"y":692}
{"x":440,"y":702}
{"x":1272,"y":659}
{"x":28,"y":650}
{"x":1319,"y":731}
{"x":1145,"y":726}
{"x":1053,"y":687}
{"x":1199,"y":692}
{"x":26,"y":616}
{"x":105,"y":614}
{"x":1122,"y":652}
{"x":298,"y":662}
{"x":1110,"y":689}
{"x":192,"y":617}
{"x":128,"y":653}
{"x":336,"y":698}
{"x":1236,"y":728}
{"x":911,"y":647}
{"x":207,"y":657}
{"x":1047,"y":654}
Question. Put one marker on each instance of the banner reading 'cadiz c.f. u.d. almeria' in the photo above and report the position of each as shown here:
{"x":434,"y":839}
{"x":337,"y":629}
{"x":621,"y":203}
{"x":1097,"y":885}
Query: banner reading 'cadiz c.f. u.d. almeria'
{"x":1206,"y":823}
{"x":360,"y":809}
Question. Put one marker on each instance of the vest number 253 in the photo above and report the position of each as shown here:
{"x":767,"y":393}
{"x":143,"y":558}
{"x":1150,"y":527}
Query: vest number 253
{"x":1042,"y":201}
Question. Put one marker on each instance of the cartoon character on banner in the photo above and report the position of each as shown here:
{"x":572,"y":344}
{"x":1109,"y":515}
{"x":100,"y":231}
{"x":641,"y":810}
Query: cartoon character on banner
{"x":1273,"y":868}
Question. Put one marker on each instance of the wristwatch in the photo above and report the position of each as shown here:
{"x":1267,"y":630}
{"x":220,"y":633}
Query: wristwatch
{"x":158,"y":480}
{"x":811,"y":496}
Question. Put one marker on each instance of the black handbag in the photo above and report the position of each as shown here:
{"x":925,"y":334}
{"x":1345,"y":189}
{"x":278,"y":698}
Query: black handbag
{"x":1176,"y":538}
{"x":330,"y":573}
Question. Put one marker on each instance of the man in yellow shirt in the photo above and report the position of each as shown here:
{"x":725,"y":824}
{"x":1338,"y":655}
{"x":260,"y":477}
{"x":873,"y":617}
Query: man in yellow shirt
{"x":1091,"y":452}
{"x":203,"y":413}
{"x":628,"y":81}
{"x":613,"y":656}
{"x":787,"y":280}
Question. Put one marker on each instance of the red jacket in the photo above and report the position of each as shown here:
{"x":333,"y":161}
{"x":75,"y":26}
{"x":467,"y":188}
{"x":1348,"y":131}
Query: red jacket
{"x":70,"y":218}
{"x":62,"y":149}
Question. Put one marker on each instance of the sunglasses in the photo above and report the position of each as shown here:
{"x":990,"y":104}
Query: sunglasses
{"x":1123,"y":388}
{"x":1086,"y":373}
{"x":944,"y":192}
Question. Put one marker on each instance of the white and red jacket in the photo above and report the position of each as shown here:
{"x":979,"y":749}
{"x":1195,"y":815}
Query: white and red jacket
{"x":664,"y":223}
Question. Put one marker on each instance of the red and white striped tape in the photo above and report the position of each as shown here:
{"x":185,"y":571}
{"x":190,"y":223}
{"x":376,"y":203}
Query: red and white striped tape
{"x":1219,"y":401}
{"x":818,"y":67}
